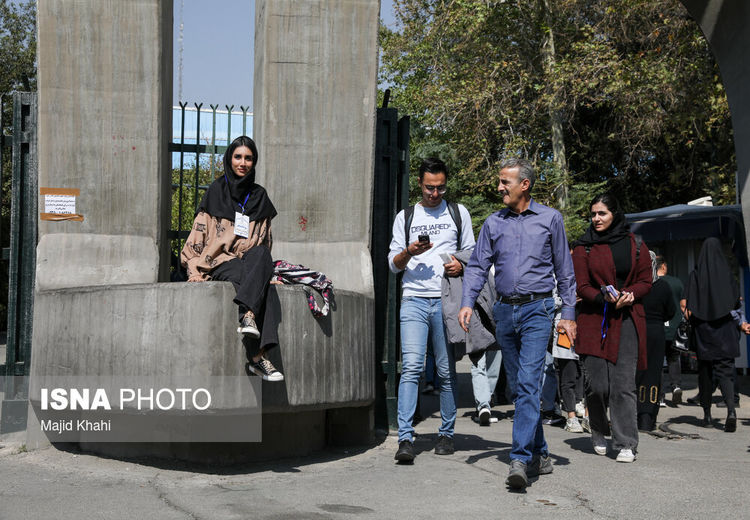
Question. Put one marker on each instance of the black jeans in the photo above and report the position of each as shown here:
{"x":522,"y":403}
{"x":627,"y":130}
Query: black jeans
{"x":251,"y":276}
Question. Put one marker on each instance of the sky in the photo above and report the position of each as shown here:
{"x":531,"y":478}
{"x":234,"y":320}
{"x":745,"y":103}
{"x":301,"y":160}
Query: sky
{"x":217,"y":50}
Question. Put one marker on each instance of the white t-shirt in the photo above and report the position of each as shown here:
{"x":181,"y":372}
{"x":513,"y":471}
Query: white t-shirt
{"x":424,"y":273}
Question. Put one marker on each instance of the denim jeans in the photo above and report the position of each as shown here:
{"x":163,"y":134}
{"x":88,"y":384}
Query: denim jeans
{"x":420,"y":318}
{"x":523,"y":332}
{"x":484,"y":375}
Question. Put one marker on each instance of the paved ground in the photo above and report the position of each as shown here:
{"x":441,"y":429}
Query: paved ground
{"x":684,"y":478}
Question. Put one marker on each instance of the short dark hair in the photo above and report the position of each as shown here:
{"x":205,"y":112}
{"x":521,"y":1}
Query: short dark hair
{"x":525,"y":169}
{"x":609,"y":200}
{"x":660,"y":261}
{"x":432,"y":165}
{"x":242,"y":140}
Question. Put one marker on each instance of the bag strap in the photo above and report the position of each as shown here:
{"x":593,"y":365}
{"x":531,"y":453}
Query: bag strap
{"x":455,"y":214}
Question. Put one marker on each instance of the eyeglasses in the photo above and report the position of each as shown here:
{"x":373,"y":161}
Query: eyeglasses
{"x":440,"y":189}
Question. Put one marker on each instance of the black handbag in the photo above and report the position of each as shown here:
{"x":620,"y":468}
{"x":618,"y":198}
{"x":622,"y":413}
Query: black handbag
{"x":682,"y":338}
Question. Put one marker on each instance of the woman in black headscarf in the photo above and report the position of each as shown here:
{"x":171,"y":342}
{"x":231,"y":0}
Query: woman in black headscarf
{"x":613,"y":274}
{"x":713,"y":302}
{"x":231,"y":240}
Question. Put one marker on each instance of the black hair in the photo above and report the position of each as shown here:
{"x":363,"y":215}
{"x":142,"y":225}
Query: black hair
{"x":242,"y":140}
{"x":613,"y":205}
{"x":432,"y":165}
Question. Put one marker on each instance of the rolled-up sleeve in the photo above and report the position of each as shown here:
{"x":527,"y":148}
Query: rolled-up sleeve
{"x":564,"y":272}
{"x":475,"y":273}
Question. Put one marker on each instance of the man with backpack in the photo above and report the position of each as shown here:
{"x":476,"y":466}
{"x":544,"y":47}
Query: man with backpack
{"x":425,"y":236}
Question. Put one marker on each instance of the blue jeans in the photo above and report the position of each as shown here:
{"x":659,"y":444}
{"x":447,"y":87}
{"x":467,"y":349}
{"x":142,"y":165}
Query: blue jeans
{"x":484,"y":375}
{"x":523,"y":332}
{"x":420,"y":318}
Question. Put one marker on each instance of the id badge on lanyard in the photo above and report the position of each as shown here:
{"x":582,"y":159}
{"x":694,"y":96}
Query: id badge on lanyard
{"x":241,"y":225}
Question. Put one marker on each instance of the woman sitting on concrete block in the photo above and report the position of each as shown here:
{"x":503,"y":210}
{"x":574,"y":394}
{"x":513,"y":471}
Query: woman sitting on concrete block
{"x":231,"y":240}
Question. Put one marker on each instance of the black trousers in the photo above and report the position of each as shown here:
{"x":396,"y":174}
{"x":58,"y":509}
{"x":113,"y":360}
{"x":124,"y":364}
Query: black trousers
{"x":570,"y":375}
{"x":250,"y":276}
{"x":716,"y":372}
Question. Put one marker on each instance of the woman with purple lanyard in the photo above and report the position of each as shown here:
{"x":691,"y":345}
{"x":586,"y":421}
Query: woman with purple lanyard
{"x":231,"y":241}
{"x":613,"y":274}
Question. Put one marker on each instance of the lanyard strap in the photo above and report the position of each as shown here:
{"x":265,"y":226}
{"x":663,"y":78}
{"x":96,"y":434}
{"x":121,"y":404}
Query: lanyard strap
{"x":605,"y":325}
{"x":242,"y":206}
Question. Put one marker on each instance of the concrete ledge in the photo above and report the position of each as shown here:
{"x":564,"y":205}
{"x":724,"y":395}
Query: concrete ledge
{"x":189,"y":329}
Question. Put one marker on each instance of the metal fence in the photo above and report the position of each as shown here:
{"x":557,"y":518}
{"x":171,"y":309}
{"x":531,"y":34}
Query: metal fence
{"x":391,"y":194}
{"x":200,"y":136}
{"x":18,"y":225}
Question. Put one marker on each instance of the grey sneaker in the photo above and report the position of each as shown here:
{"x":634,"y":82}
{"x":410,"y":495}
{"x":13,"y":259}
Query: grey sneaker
{"x":248,"y":326}
{"x":517,"y":478}
{"x":586,"y":425}
{"x":540,"y":465}
{"x":265,"y":369}
{"x":573,"y":425}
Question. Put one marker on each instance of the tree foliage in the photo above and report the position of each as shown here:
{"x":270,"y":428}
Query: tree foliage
{"x":642,"y":109}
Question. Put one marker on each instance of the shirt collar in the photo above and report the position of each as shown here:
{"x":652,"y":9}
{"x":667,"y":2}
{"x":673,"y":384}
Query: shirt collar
{"x":533,"y":208}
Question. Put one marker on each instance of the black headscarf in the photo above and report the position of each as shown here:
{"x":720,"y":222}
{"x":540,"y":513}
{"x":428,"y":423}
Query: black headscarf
{"x":618,"y":230}
{"x":231,"y":192}
{"x":711,"y":292}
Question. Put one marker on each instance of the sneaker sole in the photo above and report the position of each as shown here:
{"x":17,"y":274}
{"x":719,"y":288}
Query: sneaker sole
{"x":677,"y":397}
{"x":574,"y":430}
{"x":253,"y":333}
{"x":516,"y":481}
{"x":484,"y":419}
{"x":404,"y":457}
{"x":600,"y":450}
{"x":625,"y":459}
{"x":274,"y":378}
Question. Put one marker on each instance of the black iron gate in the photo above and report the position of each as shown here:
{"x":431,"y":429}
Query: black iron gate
{"x":391,"y":194}
{"x":18,"y":238}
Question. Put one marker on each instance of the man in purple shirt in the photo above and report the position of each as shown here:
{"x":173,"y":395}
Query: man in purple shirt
{"x":527,"y":244}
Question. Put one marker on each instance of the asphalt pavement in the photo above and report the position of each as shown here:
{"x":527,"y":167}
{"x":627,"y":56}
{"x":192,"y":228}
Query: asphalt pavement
{"x":682,"y":471}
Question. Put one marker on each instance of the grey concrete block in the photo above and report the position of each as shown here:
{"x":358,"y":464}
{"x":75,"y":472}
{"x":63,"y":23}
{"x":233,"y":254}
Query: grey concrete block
{"x":175,"y":330}
{"x":314,"y":120}
{"x":105,"y":96}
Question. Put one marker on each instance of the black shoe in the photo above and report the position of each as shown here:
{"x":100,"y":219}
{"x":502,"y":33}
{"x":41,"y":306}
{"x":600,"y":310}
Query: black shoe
{"x":405,"y":452}
{"x":550,"y":417}
{"x":484,"y":417}
{"x":731,"y":424}
{"x":517,"y":478}
{"x":707,"y":421}
{"x":694,"y":400}
{"x":444,"y":445}
{"x":677,"y":396}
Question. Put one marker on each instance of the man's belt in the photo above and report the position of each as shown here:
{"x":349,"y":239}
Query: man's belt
{"x":520,"y":299}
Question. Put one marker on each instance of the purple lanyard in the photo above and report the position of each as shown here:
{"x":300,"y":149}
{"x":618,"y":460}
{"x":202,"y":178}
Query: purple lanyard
{"x":242,"y":206}
{"x":605,"y":325}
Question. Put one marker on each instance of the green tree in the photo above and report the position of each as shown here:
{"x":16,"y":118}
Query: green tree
{"x":17,"y":73}
{"x":622,"y":94}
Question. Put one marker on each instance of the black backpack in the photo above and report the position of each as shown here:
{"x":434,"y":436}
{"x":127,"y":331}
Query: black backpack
{"x":452,"y":209}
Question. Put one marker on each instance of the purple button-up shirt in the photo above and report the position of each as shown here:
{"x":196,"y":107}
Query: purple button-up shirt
{"x":529,"y":251}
